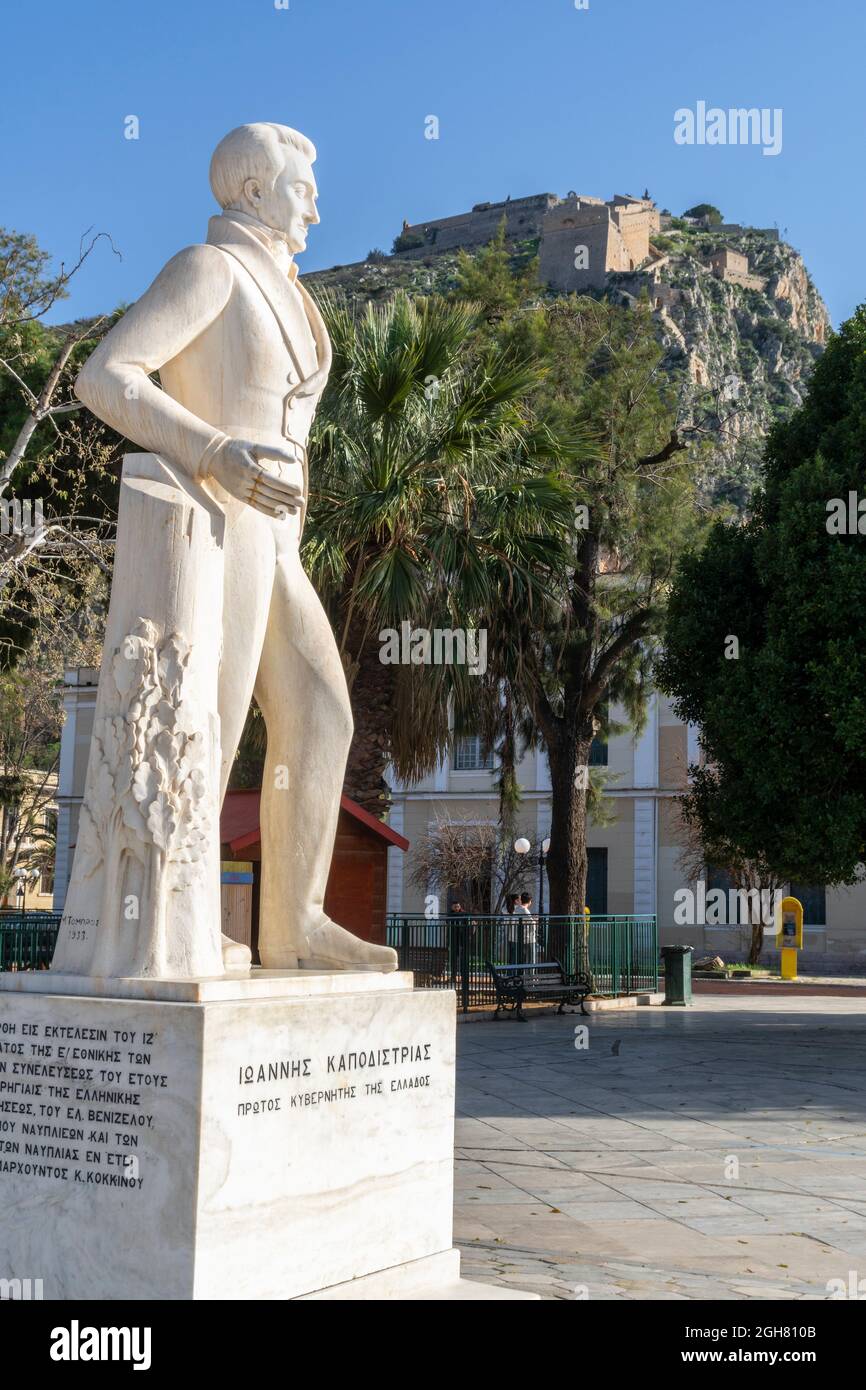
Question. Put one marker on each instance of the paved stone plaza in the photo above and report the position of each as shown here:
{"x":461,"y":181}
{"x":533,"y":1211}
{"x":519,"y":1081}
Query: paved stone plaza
{"x":604,"y":1173}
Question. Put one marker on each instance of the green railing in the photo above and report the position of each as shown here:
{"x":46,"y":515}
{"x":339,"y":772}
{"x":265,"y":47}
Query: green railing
{"x":452,"y":952}
{"x":27,"y":939}
{"x":447,"y":952}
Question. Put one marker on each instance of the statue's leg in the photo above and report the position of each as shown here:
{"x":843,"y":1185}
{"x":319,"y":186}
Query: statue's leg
{"x":250,"y":557}
{"x":247,"y":584}
{"x":302,"y":692}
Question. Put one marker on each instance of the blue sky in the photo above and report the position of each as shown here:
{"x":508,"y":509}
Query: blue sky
{"x":531,"y":96}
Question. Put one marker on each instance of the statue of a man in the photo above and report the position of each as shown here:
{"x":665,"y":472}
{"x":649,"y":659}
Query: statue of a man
{"x":208,"y":542}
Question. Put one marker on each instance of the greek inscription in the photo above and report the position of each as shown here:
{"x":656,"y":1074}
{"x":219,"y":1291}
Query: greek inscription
{"x":107,"y":1075}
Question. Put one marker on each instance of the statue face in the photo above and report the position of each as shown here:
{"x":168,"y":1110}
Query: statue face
{"x":290,"y":206}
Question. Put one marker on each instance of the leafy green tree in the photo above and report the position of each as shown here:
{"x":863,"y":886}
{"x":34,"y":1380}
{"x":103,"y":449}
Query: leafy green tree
{"x":407,"y":241}
{"x":631,"y":516}
{"x":764,"y":643}
{"x":492,"y":278}
{"x":705,"y":848}
{"x":431,"y":492}
{"x":705,"y":210}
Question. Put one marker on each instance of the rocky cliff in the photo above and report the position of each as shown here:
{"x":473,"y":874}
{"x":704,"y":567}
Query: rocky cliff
{"x":740,"y":356}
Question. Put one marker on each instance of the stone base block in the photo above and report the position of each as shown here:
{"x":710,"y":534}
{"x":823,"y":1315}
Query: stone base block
{"x":255,"y":1143}
{"x":436,"y":1279}
{"x":614,"y":1005}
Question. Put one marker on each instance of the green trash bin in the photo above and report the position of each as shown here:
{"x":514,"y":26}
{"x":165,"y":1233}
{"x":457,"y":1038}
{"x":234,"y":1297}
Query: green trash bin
{"x":678,"y":974}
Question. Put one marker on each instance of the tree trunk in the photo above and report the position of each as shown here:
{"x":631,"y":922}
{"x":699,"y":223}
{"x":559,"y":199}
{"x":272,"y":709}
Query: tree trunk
{"x":509,"y":799}
{"x":372,"y":691}
{"x":566,"y":859}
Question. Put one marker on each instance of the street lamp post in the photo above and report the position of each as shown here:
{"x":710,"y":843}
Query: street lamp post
{"x":522,"y":846}
{"x":22,"y":876}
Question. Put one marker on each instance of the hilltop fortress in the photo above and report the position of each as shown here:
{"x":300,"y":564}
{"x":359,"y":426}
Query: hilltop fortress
{"x":582,"y":240}
{"x":735,"y":309}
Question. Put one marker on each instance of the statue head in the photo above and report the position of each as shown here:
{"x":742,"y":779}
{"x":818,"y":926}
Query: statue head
{"x":266,"y":170}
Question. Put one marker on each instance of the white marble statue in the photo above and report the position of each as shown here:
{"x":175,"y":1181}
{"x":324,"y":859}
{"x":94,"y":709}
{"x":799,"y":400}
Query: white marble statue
{"x":210,"y":604}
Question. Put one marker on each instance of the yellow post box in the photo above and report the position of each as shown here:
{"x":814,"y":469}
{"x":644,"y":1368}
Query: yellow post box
{"x":789,"y":935}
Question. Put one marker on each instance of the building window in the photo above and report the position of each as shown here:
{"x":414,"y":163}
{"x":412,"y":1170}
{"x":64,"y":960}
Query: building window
{"x":596,"y":881}
{"x":814,"y":902}
{"x":471,"y":755}
{"x":598,"y":752}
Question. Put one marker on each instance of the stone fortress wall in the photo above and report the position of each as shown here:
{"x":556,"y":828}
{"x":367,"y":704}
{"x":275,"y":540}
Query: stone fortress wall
{"x":523,"y":220}
{"x":580,"y":244}
{"x":733,"y":267}
{"x":582,"y":239}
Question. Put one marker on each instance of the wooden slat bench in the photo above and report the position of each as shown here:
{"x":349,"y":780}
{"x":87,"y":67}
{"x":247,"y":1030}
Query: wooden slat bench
{"x":543,"y":983}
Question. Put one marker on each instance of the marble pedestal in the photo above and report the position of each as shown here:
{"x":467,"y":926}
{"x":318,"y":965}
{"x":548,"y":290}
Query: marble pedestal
{"x":283,"y":1135}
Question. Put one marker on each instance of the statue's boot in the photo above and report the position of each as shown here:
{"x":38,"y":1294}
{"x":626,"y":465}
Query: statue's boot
{"x":331,"y":947}
{"x":236,"y":956}
{"x":328,"y":947}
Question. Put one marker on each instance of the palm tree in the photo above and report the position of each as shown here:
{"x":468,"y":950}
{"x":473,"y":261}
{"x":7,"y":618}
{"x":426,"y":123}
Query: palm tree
{"x":433,"y":497}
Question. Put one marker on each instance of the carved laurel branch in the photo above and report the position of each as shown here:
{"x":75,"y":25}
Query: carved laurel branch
{"x":150,"y":785}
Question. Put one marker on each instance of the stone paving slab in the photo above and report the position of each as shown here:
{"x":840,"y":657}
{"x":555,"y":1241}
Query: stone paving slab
{"x":716,"y":1152}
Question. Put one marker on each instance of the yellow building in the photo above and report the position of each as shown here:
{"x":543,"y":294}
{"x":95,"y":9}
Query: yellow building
{"x":27,"y":833}
{"x":637,"y":864}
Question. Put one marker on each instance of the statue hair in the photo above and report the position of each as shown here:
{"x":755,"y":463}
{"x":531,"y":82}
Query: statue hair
{"x":253,"y":152}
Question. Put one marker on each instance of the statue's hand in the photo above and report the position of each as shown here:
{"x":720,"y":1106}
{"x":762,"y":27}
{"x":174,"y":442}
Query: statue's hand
{"x":237,"y":467}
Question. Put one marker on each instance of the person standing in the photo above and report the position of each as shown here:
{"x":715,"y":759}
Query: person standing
{"x":457,"y":926}
{"x":530,"y":929}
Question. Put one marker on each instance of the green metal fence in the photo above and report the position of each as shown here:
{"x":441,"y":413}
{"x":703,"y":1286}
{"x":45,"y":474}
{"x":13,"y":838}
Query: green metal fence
{"x":452,"y":952}
{"x":447,"y":952}
{"x":27,"y":939}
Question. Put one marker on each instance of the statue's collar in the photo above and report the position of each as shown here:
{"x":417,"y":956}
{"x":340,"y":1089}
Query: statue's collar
{"x":246,"y":226}
{"x":238,"y":239}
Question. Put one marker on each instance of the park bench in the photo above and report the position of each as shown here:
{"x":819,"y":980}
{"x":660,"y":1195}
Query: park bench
{"x":543,"y":983}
